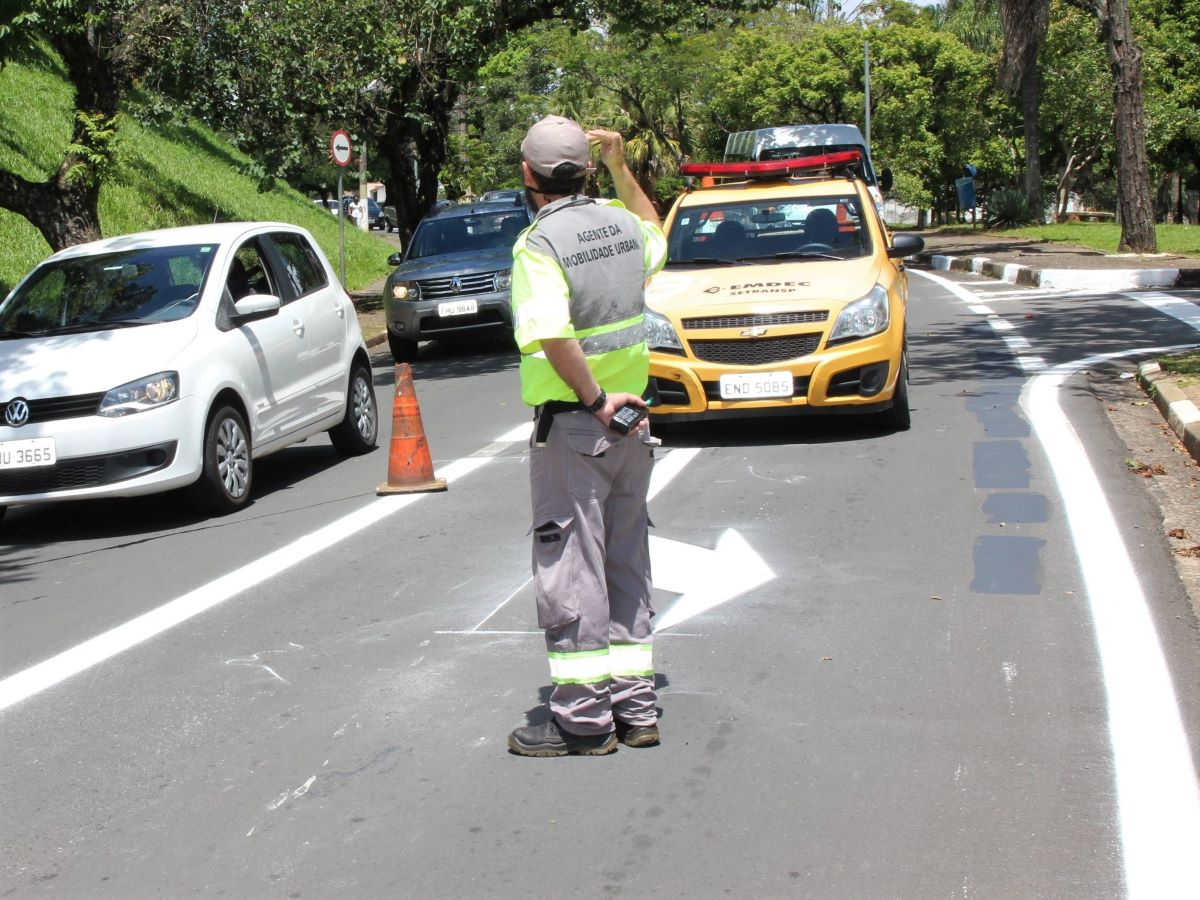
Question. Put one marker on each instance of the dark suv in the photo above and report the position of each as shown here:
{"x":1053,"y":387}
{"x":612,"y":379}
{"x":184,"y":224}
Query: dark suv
{"x":455,"y":278}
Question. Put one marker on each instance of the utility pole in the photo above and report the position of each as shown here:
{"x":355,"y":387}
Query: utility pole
{"x":867,"y":94}
{"x":364,"y":221}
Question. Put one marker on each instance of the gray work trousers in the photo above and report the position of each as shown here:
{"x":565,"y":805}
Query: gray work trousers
{"x":591,"y":566}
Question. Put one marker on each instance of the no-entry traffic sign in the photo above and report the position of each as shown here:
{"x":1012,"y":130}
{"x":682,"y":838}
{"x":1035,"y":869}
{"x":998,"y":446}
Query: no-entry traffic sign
{"x":339,"y":146}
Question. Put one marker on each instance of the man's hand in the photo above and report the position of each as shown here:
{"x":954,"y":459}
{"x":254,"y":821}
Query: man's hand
{"x":615,"y":402}
{"x":612,"y":147}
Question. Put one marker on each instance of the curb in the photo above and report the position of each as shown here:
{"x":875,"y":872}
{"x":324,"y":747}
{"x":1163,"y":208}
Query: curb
{"x":1180,"y":412}
{"x":1064,"y":279}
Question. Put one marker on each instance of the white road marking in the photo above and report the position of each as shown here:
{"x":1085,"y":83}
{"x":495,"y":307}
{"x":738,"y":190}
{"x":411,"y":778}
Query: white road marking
{"x":1188,"y":313}
{"x":58,"y":668}
{"x":666,"y":467}
{"x":706,"y":578}
{"x":1158,"y":797}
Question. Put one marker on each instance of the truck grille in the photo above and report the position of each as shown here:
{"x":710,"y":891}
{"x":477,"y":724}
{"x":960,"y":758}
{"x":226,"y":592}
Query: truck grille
{"x":755,"y":351}
{"x":750,"y":321}
{"x":440,"y":288}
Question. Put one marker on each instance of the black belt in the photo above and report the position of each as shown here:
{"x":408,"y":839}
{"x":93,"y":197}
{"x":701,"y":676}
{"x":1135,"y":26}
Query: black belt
{"x":545,"y":413}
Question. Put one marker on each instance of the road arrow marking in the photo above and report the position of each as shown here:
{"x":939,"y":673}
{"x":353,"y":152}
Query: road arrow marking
{"x":705,"y":578}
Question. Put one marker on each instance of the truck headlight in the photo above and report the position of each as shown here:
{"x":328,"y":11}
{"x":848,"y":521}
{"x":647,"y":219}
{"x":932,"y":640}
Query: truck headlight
{"x":406,"y":290}
{"x":504,"y":279}
{"x":660,"y":335}
{"x":138,"y":396}
{"x":862,"y":318}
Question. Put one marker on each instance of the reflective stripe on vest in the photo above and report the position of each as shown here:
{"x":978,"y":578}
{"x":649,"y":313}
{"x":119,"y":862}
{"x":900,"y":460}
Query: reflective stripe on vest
{"x":617,"y":336}
{"x":632,"y":660}
{"x":579,"y":667}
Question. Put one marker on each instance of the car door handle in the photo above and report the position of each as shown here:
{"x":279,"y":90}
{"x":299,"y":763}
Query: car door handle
{"x":298,"y":327}
{"x":341,"y":310}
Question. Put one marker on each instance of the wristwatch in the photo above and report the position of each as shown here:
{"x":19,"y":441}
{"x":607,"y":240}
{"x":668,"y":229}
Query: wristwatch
{"x":598,"y":403}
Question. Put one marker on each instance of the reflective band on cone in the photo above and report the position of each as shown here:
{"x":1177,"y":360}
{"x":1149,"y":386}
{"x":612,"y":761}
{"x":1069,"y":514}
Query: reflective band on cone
{"x":410,"y":470}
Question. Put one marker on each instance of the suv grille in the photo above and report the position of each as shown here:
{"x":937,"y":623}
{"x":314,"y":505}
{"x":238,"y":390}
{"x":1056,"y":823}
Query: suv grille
{"x":440,"y":288}
{"x":756,"y":351}
{"x":749,"y":321}
{"x":52,"y":408}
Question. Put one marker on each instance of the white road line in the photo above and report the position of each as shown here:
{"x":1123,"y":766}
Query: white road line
{"x":1158,"y":798}
{"x":58,"y":668}
{"x":1188,"y":313}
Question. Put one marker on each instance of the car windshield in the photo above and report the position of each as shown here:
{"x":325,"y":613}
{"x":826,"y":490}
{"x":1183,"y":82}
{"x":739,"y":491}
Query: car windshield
{"x":111,"y":290}
{"x":459,"y":234}
{"x":830,"y":227}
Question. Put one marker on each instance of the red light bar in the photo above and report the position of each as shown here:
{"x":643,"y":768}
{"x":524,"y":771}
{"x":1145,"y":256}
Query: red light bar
{"x":773,"y":167}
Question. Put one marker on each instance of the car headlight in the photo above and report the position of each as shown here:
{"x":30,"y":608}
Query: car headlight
{"x":504,"y":280}
{"x":862,"y":318}
{"x":660,"y":334}
{"x":406,"y":290}
{"x":138,"y":396}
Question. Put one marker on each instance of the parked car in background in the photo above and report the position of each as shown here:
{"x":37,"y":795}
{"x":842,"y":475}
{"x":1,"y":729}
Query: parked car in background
{"x":393,"y":218}
{"x":784,"y":292}
{"x":375,"y":216}
{"x":512,"y":194}
{"x":455,"y":277}
{"x":176,"y":359}
{"x":330,"y":204}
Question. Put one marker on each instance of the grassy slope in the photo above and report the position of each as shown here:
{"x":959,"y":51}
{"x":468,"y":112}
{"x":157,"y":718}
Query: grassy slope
{"x":1180,"y":239}
{"x":166,"y":176}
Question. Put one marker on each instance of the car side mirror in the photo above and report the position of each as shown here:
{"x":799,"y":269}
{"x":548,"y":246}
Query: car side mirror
{"x":905,"y":244}
{"x":253,"y":307}
{"x":395,"y":259}
{"x":885,"y":180}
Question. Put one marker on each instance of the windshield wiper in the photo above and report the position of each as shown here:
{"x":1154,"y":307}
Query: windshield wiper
{"x":12,"y":333}
{"x":701,"y":261}
{"x":806,"y":254}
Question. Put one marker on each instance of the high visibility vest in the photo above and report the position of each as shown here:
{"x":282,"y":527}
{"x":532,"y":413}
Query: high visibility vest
{"x":579,"y":271}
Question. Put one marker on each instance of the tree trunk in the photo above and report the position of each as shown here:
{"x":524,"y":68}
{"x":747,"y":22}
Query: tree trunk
{"x":1029,"y":116}
{"x":64,"y":212}
{"x":1135,"y":206}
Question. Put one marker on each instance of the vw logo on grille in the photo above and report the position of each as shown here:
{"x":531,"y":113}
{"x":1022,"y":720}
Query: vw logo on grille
{"x":16,"y":413}
{"x":456,"y":285}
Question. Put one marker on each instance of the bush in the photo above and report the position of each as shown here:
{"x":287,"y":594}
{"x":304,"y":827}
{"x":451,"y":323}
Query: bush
{"x":1006,"y":208}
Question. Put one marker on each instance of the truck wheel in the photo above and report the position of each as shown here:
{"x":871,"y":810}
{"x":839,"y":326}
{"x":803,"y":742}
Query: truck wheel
{"x":403,"y":350}
{"x":224,"y":483}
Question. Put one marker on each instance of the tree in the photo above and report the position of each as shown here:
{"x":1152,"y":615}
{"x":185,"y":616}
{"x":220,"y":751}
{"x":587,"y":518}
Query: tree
{"x":88,"y":38}
{"x":1135,"y":200}
{"x":1024,"y":26}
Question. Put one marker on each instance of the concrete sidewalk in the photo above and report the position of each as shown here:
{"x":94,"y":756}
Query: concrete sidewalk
{"x":1054,"y":266}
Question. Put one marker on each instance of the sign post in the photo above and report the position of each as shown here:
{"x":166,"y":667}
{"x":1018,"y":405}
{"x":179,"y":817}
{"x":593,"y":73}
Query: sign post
{"x":341,"y":150}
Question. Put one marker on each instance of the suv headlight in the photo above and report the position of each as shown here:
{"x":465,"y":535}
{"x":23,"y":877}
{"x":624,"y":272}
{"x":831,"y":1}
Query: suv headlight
{"x":138,"y":396}
{"x":660,"y":334}
{"x":406,"y":290}
{"x":862,"y":318}
{"x":504,"y":279}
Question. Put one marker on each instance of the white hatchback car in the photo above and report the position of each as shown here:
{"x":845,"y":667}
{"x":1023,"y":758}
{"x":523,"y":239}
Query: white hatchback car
{"x":173,"y":359}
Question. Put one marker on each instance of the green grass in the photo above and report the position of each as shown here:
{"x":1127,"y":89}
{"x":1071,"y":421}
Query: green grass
{"x":1181,"y":364}
{"x":1183,"y":240}
{"x":165,"y":176}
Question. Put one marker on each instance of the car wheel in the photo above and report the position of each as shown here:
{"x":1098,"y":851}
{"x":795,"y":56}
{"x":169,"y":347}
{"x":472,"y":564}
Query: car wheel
{"x":3,"y":510}
{"x":403,"y":350}
{"x":357,"y":432}
{"x":899,"y":417}
{"x":224,"y":483}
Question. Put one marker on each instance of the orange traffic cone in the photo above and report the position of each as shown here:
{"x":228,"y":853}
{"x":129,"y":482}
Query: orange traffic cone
{"x":410,"y":470}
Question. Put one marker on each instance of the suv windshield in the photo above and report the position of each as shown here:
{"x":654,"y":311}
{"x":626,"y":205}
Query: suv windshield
{"x":459,"y":234}
{"x":830,"y":227}
{"x":112,"y":290}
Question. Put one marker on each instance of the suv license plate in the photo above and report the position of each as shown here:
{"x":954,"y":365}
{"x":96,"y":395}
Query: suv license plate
{"x":27,"y":454}
{"x":457,"y":308}
{"x":756,"y":385}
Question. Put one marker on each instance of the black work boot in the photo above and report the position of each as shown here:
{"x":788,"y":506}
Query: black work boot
{"x":551,"y":739}
{"x":637,"y":735}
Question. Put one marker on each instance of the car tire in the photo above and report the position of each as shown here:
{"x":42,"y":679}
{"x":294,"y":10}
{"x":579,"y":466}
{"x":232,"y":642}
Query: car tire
{"x":899,"y":417}
{"x":357,"y":433}
{"x":3,"y":510}
{"x":228,"y":472}
{"x":403,"y":350}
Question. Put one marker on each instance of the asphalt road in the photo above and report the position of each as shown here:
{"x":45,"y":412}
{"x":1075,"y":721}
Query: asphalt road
{"x":899,"y":664}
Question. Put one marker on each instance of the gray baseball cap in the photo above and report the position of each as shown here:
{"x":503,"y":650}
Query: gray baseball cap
{"x":554,"y":141}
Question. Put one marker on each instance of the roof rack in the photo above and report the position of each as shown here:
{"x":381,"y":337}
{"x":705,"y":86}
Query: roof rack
{"x":775,"y":168}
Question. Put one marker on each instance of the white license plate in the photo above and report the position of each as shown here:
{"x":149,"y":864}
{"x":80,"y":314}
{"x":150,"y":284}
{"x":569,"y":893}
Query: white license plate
{"x":27,"y":454}
{"x":756,"y":385}
{"x":457,"y":308}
